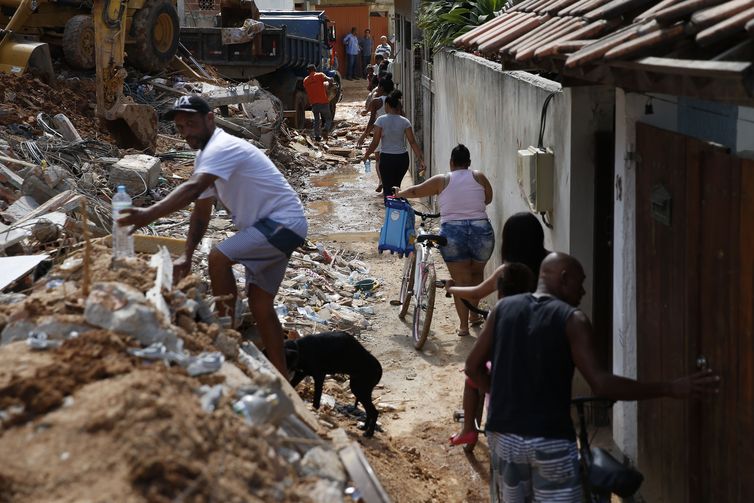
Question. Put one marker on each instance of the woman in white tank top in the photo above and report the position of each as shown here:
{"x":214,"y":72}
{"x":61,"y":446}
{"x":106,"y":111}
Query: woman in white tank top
{"x":463,"y":195}
{"x":375,"y":110}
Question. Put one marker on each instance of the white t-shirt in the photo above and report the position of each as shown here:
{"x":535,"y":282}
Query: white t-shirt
{"x":393,"y":139}
{"x":249,"y":185}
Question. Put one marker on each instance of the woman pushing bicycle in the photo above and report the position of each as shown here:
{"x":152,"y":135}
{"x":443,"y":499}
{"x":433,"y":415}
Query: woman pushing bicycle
{"x":463,"y":195}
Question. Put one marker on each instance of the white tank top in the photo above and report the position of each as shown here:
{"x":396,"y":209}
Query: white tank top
{"x":463,"y":198}
{"x":380,"y":111}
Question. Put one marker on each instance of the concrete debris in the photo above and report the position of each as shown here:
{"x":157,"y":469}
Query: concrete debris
{"x":324,"y":464}
{"x":139,"y":173}
{"x":124,"y":310}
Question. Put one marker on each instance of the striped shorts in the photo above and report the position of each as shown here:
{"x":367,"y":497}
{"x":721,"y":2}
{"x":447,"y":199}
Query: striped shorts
{"x":533,"y":469}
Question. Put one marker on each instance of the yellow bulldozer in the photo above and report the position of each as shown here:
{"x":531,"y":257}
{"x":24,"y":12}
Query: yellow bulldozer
{"x":95,"y":34}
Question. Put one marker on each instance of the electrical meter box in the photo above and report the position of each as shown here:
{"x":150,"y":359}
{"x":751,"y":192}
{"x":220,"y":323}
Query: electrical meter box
{"x":536,"y":173}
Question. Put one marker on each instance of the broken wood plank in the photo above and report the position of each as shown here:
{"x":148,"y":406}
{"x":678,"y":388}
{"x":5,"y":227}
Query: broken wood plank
{"x":10,"y":176}
{"x":20,"y":208}
{"x":362,"y":474}
{"x":16,"y":267}
{"x":725,"y":28}
{"x":342,"y":152}
{"x":11,"y":160}
{"x":64,"y":202}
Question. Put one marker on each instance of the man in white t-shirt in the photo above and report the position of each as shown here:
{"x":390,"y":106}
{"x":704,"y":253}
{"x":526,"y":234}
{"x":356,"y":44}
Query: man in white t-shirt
{"x":265,"y":209}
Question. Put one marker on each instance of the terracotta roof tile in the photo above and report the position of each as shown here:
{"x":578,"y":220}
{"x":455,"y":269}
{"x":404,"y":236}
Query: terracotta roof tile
{"x":590,"y":31}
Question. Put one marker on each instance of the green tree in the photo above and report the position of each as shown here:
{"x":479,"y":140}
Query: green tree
{"x":443,"y":20}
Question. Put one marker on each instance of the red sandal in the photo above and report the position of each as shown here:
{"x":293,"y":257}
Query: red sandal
{"x":470,"y":437}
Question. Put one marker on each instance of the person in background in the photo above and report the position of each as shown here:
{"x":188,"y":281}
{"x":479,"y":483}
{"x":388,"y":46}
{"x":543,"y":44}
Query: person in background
{"x":523,"y":241}
{"x":367,"y":43}
{"x":351,"y":44}
{"x":316,"y":89}
{"x":535,"y":342}
{"x":376,"y":109}
{"x":391,"y":132}
{"x":463,"y":195}
{"x":384,"y":49}
{"x":514,"y":278}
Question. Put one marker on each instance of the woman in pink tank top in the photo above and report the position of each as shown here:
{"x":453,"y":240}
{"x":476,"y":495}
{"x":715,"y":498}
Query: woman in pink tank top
{"x":463,"y":195}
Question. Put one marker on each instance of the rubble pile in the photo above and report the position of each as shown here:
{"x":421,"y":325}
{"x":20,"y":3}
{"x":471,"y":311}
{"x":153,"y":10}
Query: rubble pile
{"x":114,"y":382}
{"x":171,"y":405}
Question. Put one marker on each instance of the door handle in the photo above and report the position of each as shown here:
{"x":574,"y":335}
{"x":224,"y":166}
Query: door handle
{"x":701,"y":362}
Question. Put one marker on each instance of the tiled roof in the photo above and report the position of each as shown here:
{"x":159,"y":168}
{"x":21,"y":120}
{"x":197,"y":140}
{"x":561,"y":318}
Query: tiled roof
{"x":583,"y":32}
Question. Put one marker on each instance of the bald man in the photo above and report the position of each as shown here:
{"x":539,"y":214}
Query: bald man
{"x":534,"y":341}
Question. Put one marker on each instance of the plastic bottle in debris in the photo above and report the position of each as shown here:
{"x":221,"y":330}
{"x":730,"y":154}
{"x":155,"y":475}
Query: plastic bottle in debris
{"x":368,"y":166}
{"x":123,"y":242}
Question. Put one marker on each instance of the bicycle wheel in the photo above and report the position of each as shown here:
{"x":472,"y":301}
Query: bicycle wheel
{"x":407,"y":284}
{"x":425,"y":306}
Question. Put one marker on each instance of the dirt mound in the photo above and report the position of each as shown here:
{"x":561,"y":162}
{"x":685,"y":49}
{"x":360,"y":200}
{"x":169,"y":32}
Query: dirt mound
{"x":130,"y":432}
{"x":23,"y":97}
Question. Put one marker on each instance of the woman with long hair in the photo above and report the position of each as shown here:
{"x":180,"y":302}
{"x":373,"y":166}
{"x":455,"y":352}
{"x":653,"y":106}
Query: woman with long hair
{"x":391,"y":132}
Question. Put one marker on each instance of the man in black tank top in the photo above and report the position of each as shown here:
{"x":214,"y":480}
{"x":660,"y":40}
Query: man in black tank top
{"x":534,"y":342}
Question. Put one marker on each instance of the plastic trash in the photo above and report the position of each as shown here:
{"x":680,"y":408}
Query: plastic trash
{"x":39,"y":341}
{"x":54,"y":283}
{"x":123,"y":242}
{"x":256,"y":408}
{"x":368,"y":166}
{"x":156,"y":351}
{"x":205,"y":363}
{"x":281,"y":310}
{"x":324,"y":253}
{"x":210,"y":397}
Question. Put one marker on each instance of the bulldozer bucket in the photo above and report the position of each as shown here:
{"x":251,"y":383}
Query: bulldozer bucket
{"x":19,"y":57}
{"x":132,"y":125}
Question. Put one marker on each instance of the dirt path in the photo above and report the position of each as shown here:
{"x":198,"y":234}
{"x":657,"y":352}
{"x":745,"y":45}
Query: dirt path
{"x":419,"y":390}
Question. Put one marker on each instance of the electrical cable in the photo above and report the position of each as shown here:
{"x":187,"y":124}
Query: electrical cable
{"x":543,"y":119}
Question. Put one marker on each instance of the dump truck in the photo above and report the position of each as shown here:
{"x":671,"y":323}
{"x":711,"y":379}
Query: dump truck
{"x":273,"y":47}
{"x":94,"y":34}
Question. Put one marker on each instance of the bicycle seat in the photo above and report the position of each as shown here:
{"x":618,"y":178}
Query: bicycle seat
{"x":435,"y":238}
{"x":607,"y":474}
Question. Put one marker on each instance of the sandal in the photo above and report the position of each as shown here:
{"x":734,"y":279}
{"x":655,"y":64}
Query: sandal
{"x":476,"y":320}
{"x":470,"y":437}
{"x":379,"y":188}
{"x":462,"y":333}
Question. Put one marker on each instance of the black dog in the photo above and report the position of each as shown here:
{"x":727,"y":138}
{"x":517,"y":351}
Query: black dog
{"x":336,"y":353}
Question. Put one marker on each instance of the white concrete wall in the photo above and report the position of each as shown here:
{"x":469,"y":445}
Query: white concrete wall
{"x":624,"y":268}
{"x":496,"y":113}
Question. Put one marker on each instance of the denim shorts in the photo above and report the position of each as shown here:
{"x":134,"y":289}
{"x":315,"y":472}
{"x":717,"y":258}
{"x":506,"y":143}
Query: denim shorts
{"x":467,"y":240}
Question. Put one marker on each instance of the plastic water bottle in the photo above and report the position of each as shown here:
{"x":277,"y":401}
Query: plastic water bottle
{"x":123,"y":242}
{"x":368,"y":166}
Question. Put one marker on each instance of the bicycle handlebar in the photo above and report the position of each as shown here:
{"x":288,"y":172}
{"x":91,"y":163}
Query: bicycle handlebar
{"x":420,"y":213}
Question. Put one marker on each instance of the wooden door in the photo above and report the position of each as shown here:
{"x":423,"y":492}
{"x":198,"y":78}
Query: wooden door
{"x":695,"y":288}
{"x":666,"y":324}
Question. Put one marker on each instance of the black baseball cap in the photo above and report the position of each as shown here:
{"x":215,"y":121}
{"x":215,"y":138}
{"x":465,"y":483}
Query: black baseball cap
{"x":190,"y":104}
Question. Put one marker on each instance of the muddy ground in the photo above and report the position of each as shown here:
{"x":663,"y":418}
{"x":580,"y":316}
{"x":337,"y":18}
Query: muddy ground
{"x":419,"y":389}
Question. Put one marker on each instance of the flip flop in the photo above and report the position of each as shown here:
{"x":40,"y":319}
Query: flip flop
{"x":470,"y":437}
{"x":462,"y":333}
{"x":379,"y":188}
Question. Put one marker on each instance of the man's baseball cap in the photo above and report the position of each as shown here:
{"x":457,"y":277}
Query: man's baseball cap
{"x":190,"y":104}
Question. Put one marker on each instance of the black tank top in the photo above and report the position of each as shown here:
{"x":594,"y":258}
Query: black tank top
{"x":532,"y":368}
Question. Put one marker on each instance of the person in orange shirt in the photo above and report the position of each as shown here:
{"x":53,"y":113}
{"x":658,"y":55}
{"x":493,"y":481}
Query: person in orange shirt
{"x":316,"y":90}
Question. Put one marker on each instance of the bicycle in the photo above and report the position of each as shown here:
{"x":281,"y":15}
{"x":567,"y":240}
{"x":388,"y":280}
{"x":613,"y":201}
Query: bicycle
{"x":601,"y":474}
{"x":424,"y":276}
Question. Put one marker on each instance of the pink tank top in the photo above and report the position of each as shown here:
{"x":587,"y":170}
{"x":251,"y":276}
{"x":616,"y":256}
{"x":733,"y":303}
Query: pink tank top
{"x":462,"y":198}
